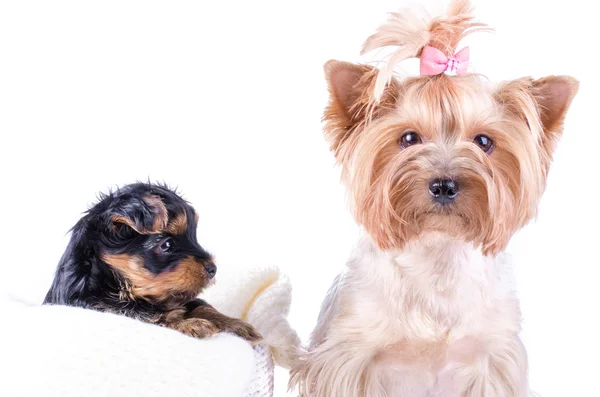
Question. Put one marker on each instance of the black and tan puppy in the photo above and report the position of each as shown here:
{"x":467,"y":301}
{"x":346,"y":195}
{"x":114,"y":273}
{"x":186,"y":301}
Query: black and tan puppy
{"x":135,"y":253}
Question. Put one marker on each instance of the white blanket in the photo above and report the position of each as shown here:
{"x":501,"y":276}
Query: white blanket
{"x":55,"y":351}
{"x":58,"y":351}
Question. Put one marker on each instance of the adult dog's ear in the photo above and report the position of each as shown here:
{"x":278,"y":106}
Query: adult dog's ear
{"x":542,"y":104}
{"x":145,"y":215}
{"x":351,"y":103}
{"x":553,"y":95}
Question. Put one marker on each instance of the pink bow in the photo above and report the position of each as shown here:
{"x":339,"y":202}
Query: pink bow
{"x":434,"y":62}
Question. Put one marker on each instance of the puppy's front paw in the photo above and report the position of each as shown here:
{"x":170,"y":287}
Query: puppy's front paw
{"x":243,"y":330}
{"x":196,"y":327}
{"x":225,"y":323}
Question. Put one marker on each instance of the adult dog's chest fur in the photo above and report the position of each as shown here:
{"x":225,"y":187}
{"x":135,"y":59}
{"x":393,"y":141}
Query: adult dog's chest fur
{"x":432,"y":320}
{"x":428,"y":302}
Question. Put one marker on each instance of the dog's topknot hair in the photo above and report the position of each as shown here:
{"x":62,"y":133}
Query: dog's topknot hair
{"x":413,"y":28}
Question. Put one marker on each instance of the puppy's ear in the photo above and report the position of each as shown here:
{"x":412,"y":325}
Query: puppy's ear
{"x":78,"y":272}
{"x":351,"y":102}
{"x":553,"y":95}
{"x":146,"y":215}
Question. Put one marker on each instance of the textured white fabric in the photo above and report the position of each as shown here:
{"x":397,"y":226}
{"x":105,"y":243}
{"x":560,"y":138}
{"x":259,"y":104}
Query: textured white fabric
{"x":262,"y":382}
{"x":261,"y":297}
{"x":55,"y":351}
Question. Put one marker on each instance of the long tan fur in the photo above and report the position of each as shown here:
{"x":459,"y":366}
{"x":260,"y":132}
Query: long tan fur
{"x":412,"y":29}
{"x":426,"y":305}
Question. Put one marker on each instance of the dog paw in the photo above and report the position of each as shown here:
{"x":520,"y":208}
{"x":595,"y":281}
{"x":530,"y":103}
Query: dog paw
{"x":243,"y":330}
{"x":197,"y":327}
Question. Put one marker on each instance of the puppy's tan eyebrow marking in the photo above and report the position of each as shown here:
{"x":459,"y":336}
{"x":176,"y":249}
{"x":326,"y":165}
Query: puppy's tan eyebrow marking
{"x":160,"y":211}
{"x":178,"y":225}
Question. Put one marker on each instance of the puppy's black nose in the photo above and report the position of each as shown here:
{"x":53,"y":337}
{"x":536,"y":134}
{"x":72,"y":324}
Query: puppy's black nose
{"x":443,"y":190}
{"x":211,"y":269}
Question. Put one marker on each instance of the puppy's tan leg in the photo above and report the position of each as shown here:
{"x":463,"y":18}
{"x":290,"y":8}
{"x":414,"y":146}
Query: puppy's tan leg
{"x":225,"y":323}
{"x":205,"y":320}
{"x":194,"y":327}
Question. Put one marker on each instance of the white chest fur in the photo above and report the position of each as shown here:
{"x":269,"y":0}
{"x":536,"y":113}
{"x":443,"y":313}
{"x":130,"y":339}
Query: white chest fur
{"x":435,"y":287}
{"x":435,"y":319}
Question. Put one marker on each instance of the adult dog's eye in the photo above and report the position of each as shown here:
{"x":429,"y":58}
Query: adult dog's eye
{"x":409,"y":138}
{"x":484,"y":142}
{"x":165,"y":246}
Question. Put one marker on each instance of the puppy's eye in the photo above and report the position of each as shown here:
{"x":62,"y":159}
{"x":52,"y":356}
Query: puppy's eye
{"x":484,"y":142}
{"x":408,"y":139}
{"x":165,"y":246}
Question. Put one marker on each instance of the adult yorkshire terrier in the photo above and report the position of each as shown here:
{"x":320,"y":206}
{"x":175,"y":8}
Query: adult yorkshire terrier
{"x":135,"y":253}
{"x":442,"y":169}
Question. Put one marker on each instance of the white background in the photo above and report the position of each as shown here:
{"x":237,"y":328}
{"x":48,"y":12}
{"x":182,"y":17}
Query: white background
{"x":224,"y":99}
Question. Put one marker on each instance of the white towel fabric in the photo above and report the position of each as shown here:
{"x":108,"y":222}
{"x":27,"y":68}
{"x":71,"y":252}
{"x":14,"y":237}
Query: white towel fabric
{"x":262,"y":381}
{"x":262,"y":297}
{"x":58,"y":351}
{"x":55,"y":351}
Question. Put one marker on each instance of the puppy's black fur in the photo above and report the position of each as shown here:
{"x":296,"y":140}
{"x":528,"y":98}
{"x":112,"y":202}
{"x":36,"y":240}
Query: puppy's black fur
{"x":135,"y":253}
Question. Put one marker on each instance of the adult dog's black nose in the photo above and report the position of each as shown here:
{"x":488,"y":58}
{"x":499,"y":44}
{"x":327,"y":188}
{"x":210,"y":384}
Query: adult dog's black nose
{"x":211,"y":269}
{"x":443,"y":190}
